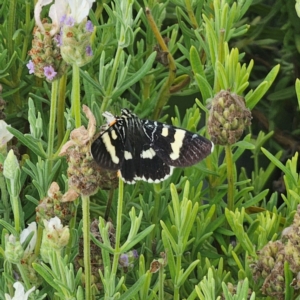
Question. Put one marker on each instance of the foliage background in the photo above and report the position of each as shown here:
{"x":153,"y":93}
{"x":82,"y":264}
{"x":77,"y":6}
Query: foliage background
{"x":210,"y":242}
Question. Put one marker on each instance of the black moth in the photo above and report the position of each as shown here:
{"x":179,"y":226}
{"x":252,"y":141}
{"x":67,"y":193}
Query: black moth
{"x":146,"y":150}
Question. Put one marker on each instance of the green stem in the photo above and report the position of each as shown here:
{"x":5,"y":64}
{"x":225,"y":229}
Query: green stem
{"x":4,"y":198}
{"x":118,"y":239}
{"x":76,"y":95}
{"x":28,"y":36}
{"x":161,"y":283}
{"x":10,"y":47}
{"x":61,"y":109}
{"x":230,"y":178}
{"x":112,"y":79}
{"x":178,"y":268}
{"x":51,"y":132}
{"x":15,"y":202}
{"x":164,"y":93}
{"x":86,"y":245}
{"x":39,"y":238}
{"x":72,"y":225}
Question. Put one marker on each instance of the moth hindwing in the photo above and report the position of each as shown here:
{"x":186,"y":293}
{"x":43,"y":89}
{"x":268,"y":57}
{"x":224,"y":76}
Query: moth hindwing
{"x":146,"y":150}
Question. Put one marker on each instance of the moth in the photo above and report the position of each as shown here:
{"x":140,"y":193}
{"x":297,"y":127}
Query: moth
{"x":146,"y":150}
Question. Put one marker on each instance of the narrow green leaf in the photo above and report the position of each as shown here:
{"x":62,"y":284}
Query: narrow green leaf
{"x":170,"y":255}
{"x":10,"y":228}
{"x":136,"y":77}
{"x":196,"y":62}
{"x":29,"y":141}
{"x":133,"y":290}
{"x":204,"y":86}
{"x":187,"y":272}
{"x":253,"y":98}
{"x":297,"y":86}
{"x":279,"y":164}
{"x":128,"y":246}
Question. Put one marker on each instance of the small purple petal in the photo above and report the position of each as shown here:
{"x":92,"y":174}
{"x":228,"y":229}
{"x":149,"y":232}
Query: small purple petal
{"x":135,"y":253}
{"x":89,"y":26}
{"x":70,"y":21}
{"x":63,"y":19}
{"x":123,"y":260}
{"x":57,"y":38}
{"x":49,"y":72}
{"x":88,"y":51}
{"x":30,"y":67}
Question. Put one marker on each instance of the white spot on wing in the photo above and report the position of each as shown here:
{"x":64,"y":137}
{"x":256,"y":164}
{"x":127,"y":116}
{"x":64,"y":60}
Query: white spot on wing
{"x":177,"y":144}
{"x":113,"y":134}
{"x":127,"y":155}
{"x":150,"y":153}
{"x":212,"y":147}
{"x":165,"y":131}
{"x":110,"y":148}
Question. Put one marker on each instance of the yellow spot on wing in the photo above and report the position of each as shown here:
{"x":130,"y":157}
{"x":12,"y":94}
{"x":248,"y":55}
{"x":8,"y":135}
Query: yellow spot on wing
{"x":177,"y":144}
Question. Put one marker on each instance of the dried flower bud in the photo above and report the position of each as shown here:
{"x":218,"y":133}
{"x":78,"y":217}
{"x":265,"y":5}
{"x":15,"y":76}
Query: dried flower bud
{"x":54,"y":205}
{"x":85,"y":176}
{"x":228,"y":118}
{"x":46,"y":61}
{"x":76,"y":42}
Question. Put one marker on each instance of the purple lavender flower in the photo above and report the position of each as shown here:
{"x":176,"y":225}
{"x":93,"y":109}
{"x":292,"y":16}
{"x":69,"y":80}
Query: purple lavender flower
{"x":123,"y":260}
{"x":57,"y":38}
{"x":88,"y":50}
{"x":89,"y":26}
{"x":30,"y":67}
{"x":63,"y":19}
{"x":49,"y":72}
{"x":69,"y":21}
{"x":135,"y":253}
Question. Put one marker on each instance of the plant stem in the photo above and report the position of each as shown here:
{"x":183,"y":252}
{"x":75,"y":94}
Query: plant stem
{"x":164,"y":93}
{"x":76,"y":95}
{"x":230,"y":178}
{"x":161,"y":283}
{"x":112,"y":79}
{"x":86,"y":245}
{"x":51,"y":132}
{"x":10,"y":47}
{"x":178,"y":267}
{"x":61,"y":109}
{"x":15,"y":202}
{"x":118,"y":239}
{"x":4,"y":198}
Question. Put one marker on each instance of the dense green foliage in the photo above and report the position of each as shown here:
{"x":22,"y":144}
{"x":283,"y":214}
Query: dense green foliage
{"x":210,"y":231}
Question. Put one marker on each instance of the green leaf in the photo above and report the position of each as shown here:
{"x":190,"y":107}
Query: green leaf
{"x":136,"y":77}
{"x":279,"y":164}
{"x":133,"y":290}
{"x":204,"y":86}
{"x":187,"y":272}
{"x":10,"y":228}
{"x":137,"y":239}
{"x":253,"y":97}
{"x":297,"y":85}
{"x":29,"y":141}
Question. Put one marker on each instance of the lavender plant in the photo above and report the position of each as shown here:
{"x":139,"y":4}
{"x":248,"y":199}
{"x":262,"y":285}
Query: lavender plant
{"x":72,"y":230}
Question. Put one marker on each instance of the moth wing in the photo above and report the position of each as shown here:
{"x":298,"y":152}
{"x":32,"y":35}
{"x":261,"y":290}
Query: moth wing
{"x":141,"y":161}
{"x":175,"y":146}
{"x":108,"y":149}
